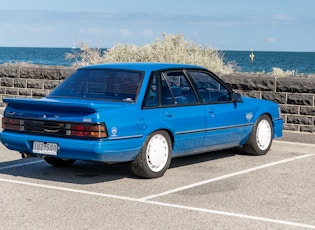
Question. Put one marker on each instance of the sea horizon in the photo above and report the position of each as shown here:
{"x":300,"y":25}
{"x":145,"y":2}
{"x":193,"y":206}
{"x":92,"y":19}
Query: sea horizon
{"x":300,"y":62}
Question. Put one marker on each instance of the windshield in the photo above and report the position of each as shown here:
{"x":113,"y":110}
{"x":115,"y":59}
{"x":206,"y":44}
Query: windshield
{"x":103,"y":84}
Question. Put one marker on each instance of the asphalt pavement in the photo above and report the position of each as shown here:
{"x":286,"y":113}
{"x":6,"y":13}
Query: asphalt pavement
{"x":215,"y":190}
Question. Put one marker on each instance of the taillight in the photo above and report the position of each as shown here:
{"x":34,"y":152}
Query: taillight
{"x":12,"y":124}
{"x":87,"y":130}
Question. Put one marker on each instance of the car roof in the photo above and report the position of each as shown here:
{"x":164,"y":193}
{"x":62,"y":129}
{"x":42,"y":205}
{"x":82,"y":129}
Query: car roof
{"x":143,"y":66}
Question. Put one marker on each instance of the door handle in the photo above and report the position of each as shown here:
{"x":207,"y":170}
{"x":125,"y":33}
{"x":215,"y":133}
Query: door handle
{"x":169,"y":114}
{"x":211,"y":110}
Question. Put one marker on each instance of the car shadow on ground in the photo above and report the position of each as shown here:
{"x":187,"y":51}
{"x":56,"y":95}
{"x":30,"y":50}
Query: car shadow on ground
{"x":92,"y":172}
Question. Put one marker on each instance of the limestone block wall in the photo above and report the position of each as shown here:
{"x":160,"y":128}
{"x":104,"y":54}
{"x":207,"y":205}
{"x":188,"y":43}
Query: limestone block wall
{"x":30,"y":81}
{"x":295,"y":95}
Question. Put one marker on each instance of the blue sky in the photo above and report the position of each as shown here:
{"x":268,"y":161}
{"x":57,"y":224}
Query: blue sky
{"x":268,"y":25}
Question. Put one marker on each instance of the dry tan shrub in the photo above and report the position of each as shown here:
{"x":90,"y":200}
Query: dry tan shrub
{"x":168,"y":48}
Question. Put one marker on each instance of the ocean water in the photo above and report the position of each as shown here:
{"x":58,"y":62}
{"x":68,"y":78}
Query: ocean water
{"x":264,"y":61}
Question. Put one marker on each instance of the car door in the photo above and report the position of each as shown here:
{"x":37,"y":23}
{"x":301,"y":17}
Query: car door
{"x":225,"y":118}
{"x":180,"y":110}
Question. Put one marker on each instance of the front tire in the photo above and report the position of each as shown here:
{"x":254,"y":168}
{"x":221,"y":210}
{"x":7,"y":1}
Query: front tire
{"x":59,"y":162}
{"x":155,"y":156}
{"x":260,"y":139}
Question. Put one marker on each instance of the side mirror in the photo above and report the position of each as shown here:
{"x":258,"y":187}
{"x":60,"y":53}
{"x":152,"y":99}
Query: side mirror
{"x":236,"y":97}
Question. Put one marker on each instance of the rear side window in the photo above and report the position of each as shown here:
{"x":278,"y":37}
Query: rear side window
{"x":176,"y":89}
{"x":210,"y":89}
{"x":117,"y":85}
{"x":170,"y":89}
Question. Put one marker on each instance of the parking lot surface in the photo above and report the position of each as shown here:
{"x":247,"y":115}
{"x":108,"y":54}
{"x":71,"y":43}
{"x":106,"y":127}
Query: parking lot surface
{"x":218,"y":190}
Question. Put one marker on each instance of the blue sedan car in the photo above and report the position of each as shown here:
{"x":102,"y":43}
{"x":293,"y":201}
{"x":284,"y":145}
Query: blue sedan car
{"x":142,"y":113}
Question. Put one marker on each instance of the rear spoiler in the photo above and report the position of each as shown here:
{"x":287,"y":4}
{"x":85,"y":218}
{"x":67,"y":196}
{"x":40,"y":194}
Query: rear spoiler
{"x":50,"y":104}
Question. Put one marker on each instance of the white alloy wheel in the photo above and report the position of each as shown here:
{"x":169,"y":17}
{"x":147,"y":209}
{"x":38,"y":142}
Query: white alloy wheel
{"x":260,"y":138}
{"x":157,"y":152}
{"x":263,"y":134}
{"x":155,"y":156}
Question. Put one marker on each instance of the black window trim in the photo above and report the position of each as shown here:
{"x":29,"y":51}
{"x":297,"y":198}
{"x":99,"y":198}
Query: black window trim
{"x":192,"y":83}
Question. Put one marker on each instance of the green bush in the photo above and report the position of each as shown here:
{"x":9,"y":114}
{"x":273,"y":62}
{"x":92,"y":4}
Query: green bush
{"x":169,"y":48}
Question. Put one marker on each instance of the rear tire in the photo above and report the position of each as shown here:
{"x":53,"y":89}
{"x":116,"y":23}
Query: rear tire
{"x":260,"y":139}
{"x":155,"y":156}
{"x":59,"y":162}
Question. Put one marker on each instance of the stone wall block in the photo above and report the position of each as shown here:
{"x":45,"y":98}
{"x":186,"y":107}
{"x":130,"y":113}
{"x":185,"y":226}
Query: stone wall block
{"x":299,"y":120}
{"x":9,"y":71}
{"x":252,"y":94}
{"x":296,"y":85}
{"x":307,"y":111}
{"x":7,"y":82}
{"x":289,"y":109}
{"x":279,"y":98}
{"x":300,"y":99}
{"x":38,"y":73}
{"x":309,"y":129}
{"x":51,"y":84}
{"x":291,"y":127}
{"x":2,"y":90}
{"x":251,"y":83}
{"x":11,"y":91}
{"x":25,"y":92}
{"x":35,"y":84}
{"x":39,"y":93}
{"x":20,"y":83}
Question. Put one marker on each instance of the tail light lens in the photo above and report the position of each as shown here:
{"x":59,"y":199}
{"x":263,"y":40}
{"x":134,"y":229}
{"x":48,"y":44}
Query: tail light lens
{"x":87,"y":130}
{"x":12,"y":124}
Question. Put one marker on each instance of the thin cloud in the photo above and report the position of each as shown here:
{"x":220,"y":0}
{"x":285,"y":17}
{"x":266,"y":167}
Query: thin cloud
{"x":271,"y":40}
{"x":283,"y":17}
{"x":125,"y":32}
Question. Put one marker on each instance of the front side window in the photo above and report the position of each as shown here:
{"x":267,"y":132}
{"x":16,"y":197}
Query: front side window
{"x":103,"y":84}
{"x":210,"y":89}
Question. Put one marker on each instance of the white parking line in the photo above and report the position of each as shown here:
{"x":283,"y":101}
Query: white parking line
{"x":224,"y":177}
{"x":19,"y":165}
{"x":232,"y":214}
{"x":204,"y":210}
{"x":295,"y":143}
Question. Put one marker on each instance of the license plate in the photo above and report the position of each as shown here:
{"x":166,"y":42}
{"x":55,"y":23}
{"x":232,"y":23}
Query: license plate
{"x":45,"y":148}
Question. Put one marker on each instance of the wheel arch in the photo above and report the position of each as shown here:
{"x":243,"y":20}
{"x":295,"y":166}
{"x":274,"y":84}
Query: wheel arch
{"x":168,"y":131}
{"x":262,"y":113}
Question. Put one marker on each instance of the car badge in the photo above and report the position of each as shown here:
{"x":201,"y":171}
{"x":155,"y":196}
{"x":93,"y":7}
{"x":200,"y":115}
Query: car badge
{"x":87,"y":119}
{"x":249,"y":116}
{"x":114,"y":131}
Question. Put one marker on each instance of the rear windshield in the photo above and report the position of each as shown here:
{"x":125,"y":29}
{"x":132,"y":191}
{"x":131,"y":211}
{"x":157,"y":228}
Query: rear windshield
{"x":103,"y":84}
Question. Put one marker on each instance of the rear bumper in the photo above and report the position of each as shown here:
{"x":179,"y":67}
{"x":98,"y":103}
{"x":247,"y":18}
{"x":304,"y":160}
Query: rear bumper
{"x":277,"y":128}
{"x":110,"y":151}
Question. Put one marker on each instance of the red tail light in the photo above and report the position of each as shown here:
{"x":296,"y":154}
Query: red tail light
{"x":88,"y":130}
